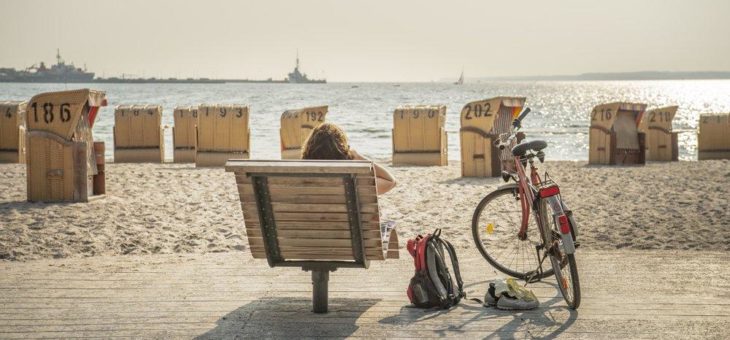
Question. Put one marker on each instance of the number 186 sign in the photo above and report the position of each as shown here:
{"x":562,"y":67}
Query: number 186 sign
{"x":57,"y":112}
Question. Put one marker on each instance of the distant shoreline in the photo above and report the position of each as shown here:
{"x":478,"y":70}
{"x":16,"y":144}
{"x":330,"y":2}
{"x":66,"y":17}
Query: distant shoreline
{"x":162,"y":81}
{"x":641,"y":75}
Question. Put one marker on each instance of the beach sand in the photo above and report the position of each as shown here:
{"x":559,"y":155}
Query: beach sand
{"x":171,"y":208}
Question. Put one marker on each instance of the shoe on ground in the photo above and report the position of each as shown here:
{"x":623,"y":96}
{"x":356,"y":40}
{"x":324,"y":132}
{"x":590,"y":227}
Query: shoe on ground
{"x":509,"y":303}
{"x":489,"y":298}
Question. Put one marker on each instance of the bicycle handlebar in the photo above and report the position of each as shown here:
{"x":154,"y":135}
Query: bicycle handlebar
{"x":517,"y":123}
{"x":503,"y":142}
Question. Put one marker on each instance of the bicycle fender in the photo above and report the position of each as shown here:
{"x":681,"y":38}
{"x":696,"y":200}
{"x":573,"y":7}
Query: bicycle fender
{"x":508,"y":186}
{"x":568,"y":245}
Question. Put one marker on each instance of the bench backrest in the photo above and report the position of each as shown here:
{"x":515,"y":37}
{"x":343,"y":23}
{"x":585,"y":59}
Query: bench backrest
{"x":306,"y":210}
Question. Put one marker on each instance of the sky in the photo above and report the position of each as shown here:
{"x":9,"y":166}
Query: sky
{"x":352,"y":40}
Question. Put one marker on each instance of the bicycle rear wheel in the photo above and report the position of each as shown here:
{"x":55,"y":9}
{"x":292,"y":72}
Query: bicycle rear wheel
{"x":495,"y":225}
{"x":566,"y":273}
{"x":564,"y":266}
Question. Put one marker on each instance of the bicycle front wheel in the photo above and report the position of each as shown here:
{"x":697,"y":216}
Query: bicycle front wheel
{"x":495,"y":225}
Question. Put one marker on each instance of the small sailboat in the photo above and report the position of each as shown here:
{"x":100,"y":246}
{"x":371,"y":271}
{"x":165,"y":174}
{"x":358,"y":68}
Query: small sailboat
{"x":461,"y":79}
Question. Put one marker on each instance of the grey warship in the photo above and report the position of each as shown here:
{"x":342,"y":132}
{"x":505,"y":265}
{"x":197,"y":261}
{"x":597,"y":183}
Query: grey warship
{"x":62,"y":72}
{"x":58,"y":73}
{"x":296,"y":77}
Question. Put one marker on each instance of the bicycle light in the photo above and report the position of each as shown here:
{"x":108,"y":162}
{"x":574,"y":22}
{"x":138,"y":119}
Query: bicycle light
{"x":549,"y":191}
{"x":564,"y":224}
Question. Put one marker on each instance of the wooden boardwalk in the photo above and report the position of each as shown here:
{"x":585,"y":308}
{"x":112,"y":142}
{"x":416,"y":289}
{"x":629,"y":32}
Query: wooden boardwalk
{"x":626,"y":294}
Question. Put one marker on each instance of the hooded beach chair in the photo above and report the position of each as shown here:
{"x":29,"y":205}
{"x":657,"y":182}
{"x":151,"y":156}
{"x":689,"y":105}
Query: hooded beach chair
{"x":419,"y":135}
{"x":296,"y":126}
{"x":615,"y":138}
{"x":138,"y":134}
{"x":317,"y":215}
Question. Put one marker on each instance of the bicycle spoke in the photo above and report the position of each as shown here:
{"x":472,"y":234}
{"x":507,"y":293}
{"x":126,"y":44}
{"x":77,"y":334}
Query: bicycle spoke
{"x":496,"y":232}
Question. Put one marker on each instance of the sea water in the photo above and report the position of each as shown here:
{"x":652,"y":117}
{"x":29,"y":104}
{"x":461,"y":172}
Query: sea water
{"x":560,"y":110}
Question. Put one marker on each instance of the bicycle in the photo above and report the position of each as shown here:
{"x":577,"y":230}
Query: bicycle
{"x":501,"y":222}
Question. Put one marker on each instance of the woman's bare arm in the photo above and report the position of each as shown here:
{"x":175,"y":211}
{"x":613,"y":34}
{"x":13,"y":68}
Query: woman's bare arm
{"x":384,"y":180}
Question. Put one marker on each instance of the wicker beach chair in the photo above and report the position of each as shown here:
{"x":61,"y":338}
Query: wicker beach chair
{"x":317,"y":215}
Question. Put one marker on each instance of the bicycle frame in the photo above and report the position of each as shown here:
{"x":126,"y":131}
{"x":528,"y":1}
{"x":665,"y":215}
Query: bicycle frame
{"x":527,"y":195}
{"x":527,"y":191}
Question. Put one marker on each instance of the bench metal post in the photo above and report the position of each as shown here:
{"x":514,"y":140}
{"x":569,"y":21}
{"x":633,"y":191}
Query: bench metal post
{"x":320,"y":290}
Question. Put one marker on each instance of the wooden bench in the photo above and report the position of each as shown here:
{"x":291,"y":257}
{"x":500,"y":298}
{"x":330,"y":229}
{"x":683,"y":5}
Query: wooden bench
{"x":317,"y":215}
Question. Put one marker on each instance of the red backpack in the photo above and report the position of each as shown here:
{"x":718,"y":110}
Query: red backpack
{"x":432,"y":285}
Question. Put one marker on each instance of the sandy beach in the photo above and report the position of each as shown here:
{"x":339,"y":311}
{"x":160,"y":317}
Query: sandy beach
{"x":170,"y":208}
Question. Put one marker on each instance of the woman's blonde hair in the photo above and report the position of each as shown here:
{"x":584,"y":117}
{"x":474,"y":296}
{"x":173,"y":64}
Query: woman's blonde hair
{"x":327,"y":141}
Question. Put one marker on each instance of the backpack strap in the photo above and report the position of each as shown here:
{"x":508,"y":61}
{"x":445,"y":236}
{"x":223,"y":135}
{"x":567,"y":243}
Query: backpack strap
{"x":455,"y":263}
{"x":441,"y":274}
{"x":434,"y":262}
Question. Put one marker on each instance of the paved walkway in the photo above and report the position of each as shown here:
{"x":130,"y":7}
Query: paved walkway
{"x":626,"y":294}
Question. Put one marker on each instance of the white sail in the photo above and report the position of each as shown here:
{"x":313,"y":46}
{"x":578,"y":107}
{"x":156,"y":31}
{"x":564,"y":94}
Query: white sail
{"x":461,"y":79}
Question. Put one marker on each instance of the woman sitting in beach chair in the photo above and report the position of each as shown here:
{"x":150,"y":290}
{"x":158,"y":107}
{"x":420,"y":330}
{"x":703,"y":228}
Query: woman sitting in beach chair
{"x":329,"y":142}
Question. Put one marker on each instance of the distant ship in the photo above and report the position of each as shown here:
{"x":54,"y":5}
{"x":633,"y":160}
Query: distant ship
{"x":296,"y":77}
{"x":461,"y":79}
{"x":58,"y":73}
{"x":68,"y":73}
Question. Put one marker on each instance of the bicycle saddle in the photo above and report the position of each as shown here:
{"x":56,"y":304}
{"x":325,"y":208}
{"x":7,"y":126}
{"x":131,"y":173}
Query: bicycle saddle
{"x":522,"y":148}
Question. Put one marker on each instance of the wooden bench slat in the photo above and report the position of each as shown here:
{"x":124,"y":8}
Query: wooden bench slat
{"x":299,"y":254}
{"x":326,"y":199}
{"x":302,"y":181}
{"x":276,"y":190}
{"x":318,"y":199}
{"x":322,"y":225}
{"x":316,"y":234}
{"x":299,"y":166}
{"x":293,"y":207}
{"x":329,"y":250}
{"x":317,"y":216}
{"x":344,"y":250}
{"x":250,"y":211}
{"x":324,"y":243}
{"x":305,"y":225}
{"x":246,"y":194}
{"x":306,"y":207}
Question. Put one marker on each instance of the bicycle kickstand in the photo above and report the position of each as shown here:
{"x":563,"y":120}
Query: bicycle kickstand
{"x":536,"y":275}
